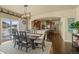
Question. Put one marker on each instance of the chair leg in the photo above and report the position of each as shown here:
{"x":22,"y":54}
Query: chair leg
{"x":26,"y":48}
{"x":42,"y":48}
{"x":36,"y":44}
{"x":21,"y":46}
{"x":44,"y":45}
{"x":14,"y":44}
{"x":18,"y":45}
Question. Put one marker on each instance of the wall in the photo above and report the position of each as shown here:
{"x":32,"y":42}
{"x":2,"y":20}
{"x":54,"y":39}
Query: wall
{"x":22,"y":27}
{"x":77,"y":13}
{"x":63,"y":14}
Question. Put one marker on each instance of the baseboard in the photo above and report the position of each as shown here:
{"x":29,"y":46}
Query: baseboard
{"x":68,"y":41}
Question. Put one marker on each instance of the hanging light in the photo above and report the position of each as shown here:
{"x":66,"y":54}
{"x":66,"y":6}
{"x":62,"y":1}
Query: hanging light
{"x":26,"y":15}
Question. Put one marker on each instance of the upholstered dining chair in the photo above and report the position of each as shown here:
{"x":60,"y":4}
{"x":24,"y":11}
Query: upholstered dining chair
{"x":16,"y":39}
{"x":41,"y":40}
{"x":25,"y":41}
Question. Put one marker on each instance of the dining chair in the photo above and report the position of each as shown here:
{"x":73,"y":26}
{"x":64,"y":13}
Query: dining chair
{"x":25,"y":41}
{"x":41,"y":40}
{"x":16,"y":39}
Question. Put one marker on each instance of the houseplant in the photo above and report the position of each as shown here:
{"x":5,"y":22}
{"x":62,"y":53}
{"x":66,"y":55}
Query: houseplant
{"x":75,"y":25}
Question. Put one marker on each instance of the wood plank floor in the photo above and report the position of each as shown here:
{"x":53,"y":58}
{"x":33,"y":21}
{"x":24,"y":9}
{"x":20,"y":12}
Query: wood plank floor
{"x":61,"y":47}
{"x":58,"y":45}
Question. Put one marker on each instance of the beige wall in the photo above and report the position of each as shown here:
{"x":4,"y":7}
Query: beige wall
{"x":77,"y":13}
{"x":63,"y":14}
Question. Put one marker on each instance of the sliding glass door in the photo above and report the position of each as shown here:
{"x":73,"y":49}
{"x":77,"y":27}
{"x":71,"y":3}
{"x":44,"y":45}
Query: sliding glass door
{"x":7,"y":27}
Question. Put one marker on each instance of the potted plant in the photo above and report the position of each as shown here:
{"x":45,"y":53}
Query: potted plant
{"x":75,"y":25}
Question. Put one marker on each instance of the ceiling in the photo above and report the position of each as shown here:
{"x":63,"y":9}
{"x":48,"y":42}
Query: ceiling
{"x":37,"y":9}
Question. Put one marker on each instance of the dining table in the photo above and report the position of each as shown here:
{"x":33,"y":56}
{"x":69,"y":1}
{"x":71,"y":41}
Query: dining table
{"x":32,"y":37}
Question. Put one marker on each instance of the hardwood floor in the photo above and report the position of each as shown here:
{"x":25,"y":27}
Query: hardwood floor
{"x":61,"y":47}
{"x":58,"y":45}
{"x":70,"y":49}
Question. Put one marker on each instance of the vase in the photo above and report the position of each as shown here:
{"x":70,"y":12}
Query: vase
{"x":75,"y":31}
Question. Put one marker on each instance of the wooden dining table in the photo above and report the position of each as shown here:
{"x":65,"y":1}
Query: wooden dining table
{"x":32,"y":37}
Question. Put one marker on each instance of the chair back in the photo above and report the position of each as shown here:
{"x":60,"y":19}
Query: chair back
{"x":16,"y":35}
{"x":20,"y":34}
{"x":44,"y":37}
{"x":24,"y":36}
